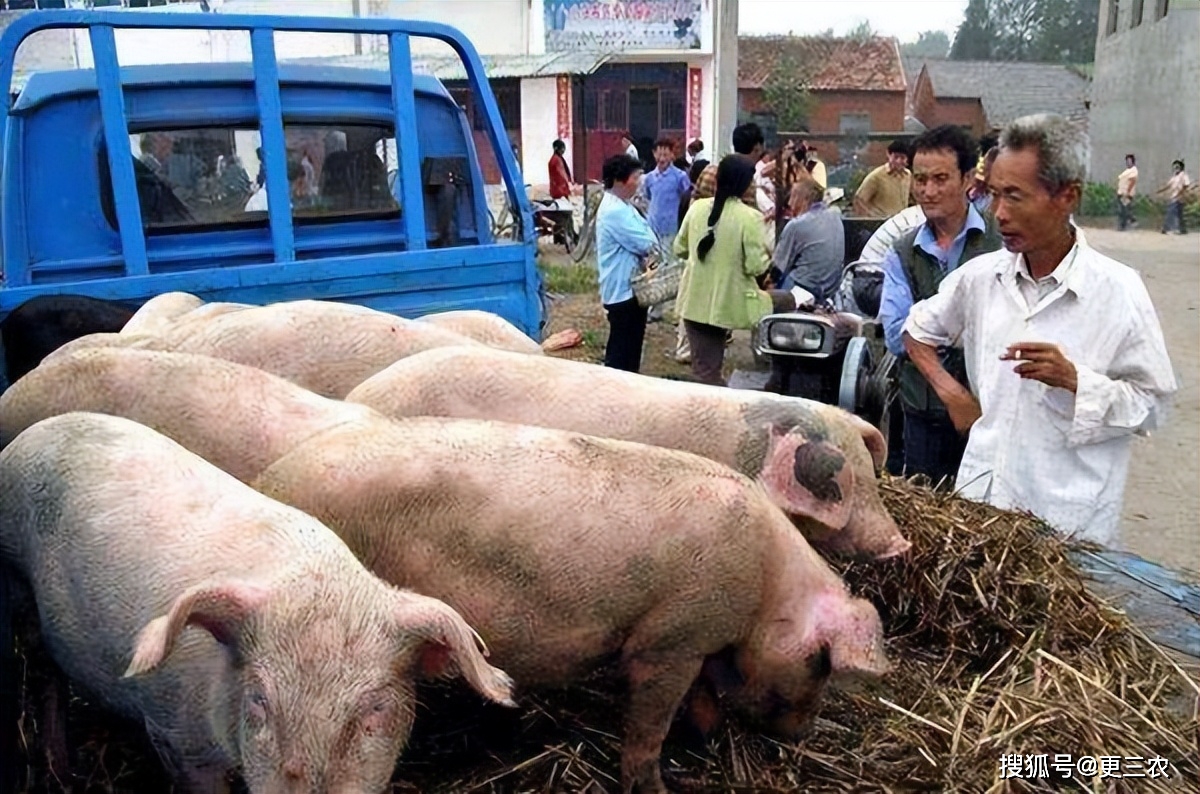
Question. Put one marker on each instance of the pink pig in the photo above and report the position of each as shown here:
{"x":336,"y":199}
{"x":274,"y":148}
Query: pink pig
{"x":236,"y":417}
{"x":816,"y":461}
{"x":242,"y":632}
{"x":565,"y":550}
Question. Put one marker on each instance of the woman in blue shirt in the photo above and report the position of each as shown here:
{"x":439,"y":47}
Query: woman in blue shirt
{"x":623,"y":239}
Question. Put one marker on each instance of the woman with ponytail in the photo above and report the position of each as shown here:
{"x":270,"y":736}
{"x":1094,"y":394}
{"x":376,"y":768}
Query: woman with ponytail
{"x":725,"y":247}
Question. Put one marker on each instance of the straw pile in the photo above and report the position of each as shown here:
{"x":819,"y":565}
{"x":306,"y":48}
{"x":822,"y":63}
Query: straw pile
{"x":998,"y":649}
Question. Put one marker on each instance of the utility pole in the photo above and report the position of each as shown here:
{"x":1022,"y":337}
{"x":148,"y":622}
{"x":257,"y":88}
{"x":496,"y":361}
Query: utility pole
{"x":356,"y":10}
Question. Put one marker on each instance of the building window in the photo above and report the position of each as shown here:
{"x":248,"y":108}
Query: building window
{"x":614,"y":109}
{"x":1161,"y":10}
{"x":1138,"y":8}
{"x":1114,"y":15}
{"x":855,"y":124}
{"x":672,"y":110}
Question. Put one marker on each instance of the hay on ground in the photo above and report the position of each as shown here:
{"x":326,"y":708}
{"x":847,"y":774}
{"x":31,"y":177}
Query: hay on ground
{"x":998,"y":649}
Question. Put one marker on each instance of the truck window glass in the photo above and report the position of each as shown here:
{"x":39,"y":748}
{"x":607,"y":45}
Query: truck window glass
{"x":201,"y":178}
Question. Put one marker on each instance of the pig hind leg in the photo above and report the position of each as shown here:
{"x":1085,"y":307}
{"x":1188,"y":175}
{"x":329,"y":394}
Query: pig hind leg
{"x":657,"y":685}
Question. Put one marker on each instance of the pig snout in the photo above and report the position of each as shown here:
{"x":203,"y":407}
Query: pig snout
{"x":871,"y":534}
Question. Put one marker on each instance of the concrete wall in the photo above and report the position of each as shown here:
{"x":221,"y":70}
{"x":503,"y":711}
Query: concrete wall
{"x":721,"y":80}
{"x":539,"y":128}
{"x":46,"y":50}
{"x":1144,"y":94}
{"x":495,"y":27}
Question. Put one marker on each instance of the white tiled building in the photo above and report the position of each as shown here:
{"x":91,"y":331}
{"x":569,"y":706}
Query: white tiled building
{"x":581,"y":70}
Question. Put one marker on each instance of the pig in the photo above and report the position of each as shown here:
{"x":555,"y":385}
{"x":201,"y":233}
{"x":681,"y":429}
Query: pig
{"x":41,"y":325}
{"x":213,"y":309}
{"x":160,"y":311}
{"x":326,"y":347}
{"x":490,"y":329}
{"x":565,"y":550}
{"x":236,"y":417}
{"x":242,"y":632}
{"x":816,"y":461}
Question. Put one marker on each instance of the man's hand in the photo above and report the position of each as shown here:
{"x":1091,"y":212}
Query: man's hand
{"x":1045,"y":362}
{"x":963,"y":408}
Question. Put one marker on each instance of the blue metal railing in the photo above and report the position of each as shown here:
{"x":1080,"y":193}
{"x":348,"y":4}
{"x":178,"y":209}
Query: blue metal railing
{"x":102,"y":26}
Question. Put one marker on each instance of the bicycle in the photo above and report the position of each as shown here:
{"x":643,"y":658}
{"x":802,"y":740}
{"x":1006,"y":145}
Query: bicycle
{"x":587,"y":230}
{"x":506,"y":224}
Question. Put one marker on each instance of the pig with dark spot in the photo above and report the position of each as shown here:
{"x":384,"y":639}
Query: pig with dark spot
{"x":242,"y":632}
{"x":490,"y":329}
{"x":41,"y":325}
{"x":236,"y":417}
{"x":565,"y":551}
{"x":816,"y":461}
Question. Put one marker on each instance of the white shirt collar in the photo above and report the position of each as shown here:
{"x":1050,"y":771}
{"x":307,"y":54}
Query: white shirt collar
{"x":1068,"y":272}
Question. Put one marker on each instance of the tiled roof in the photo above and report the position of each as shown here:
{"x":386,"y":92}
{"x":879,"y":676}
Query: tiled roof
{"x":450,"y":67}
{"x":840,"y":64}
{"x":912,"y":69}
{"x":1010,"y":89}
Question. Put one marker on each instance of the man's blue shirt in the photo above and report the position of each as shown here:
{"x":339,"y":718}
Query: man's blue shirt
{"x":897,"y":299}
{"x":665,"y":188}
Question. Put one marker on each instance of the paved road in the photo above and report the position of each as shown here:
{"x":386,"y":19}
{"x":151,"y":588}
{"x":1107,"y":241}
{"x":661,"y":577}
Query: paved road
{"x":1161,"y":520}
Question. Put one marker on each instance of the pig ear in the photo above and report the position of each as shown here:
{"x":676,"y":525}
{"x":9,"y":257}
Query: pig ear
{"x":808,"y":477}
{"x":446,"y":644}
{"x":874,"y":440}
{"x":220,"y":609}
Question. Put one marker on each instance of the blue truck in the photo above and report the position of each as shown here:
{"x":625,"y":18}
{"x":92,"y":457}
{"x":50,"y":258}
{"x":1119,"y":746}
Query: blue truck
{"x":256,"y":182}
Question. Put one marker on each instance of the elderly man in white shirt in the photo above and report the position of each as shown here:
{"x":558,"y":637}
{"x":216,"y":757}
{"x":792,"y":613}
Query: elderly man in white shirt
{"x":1050,"y":433}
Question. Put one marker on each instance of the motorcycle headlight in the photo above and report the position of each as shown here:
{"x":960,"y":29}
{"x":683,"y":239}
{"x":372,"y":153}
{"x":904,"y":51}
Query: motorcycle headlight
{"x":796,"y":337}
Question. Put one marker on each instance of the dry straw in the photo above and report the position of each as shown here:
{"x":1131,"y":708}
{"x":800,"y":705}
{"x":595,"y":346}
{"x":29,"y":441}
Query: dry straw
{"x":998,"y":647}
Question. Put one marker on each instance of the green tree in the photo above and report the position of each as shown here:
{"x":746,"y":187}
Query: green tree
{"x":929,"y":44}
{"x":786,"y":92}
{"x":1054,"y":31}
{"x":1068,"y":31}
{"x":973,"y":41}
{"x":862,"y":31}
{"x":1016,"y":24}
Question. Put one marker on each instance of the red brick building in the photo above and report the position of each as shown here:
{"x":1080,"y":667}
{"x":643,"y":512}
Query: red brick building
{"x":857,"y":85}
{"x":984,"y":96}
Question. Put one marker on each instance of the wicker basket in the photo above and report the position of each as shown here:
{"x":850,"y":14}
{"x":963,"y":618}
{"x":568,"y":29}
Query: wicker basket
{"x":658,"y":282}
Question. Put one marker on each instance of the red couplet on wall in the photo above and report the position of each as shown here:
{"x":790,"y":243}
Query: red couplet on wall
{"x":695,"y":91}
{"x":564,"y":107}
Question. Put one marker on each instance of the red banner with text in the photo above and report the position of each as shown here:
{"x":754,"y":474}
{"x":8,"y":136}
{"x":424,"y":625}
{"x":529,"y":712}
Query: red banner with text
{"x":694,"y":96}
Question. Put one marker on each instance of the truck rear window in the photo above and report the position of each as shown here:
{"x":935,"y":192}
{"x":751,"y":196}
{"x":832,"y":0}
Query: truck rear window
{"x":193,"y":179}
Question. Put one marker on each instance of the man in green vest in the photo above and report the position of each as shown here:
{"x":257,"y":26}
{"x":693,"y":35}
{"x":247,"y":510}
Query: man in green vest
{"x":954,"y":232}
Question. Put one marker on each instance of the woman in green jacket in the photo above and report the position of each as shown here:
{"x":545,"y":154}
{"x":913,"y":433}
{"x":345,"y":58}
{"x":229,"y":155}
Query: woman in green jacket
{"x":723,"y":241}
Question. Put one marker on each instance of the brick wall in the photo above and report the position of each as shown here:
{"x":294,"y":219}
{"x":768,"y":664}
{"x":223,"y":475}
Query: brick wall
{"x":962,"y":112}
{"x":885,"y":108}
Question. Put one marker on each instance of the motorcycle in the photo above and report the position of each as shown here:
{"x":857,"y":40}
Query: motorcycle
{"x":832,"y":353}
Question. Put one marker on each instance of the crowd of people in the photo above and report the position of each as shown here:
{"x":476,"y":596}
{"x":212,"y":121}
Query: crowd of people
{"x":1027,"y":360}
{"x":1177,"y":188}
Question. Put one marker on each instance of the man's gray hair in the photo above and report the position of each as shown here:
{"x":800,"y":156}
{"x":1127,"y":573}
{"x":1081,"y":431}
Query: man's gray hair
{"x":1062,"y":148}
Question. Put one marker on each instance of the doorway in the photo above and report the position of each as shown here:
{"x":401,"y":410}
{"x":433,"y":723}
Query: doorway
{"x":643,"y":120}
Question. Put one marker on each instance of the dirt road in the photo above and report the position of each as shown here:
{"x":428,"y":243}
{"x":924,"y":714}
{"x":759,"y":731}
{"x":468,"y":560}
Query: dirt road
{"x":1162,"y":501}
{"x":1161,"y":520}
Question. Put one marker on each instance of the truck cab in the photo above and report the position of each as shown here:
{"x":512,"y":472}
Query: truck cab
{"x":256,"y":182}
